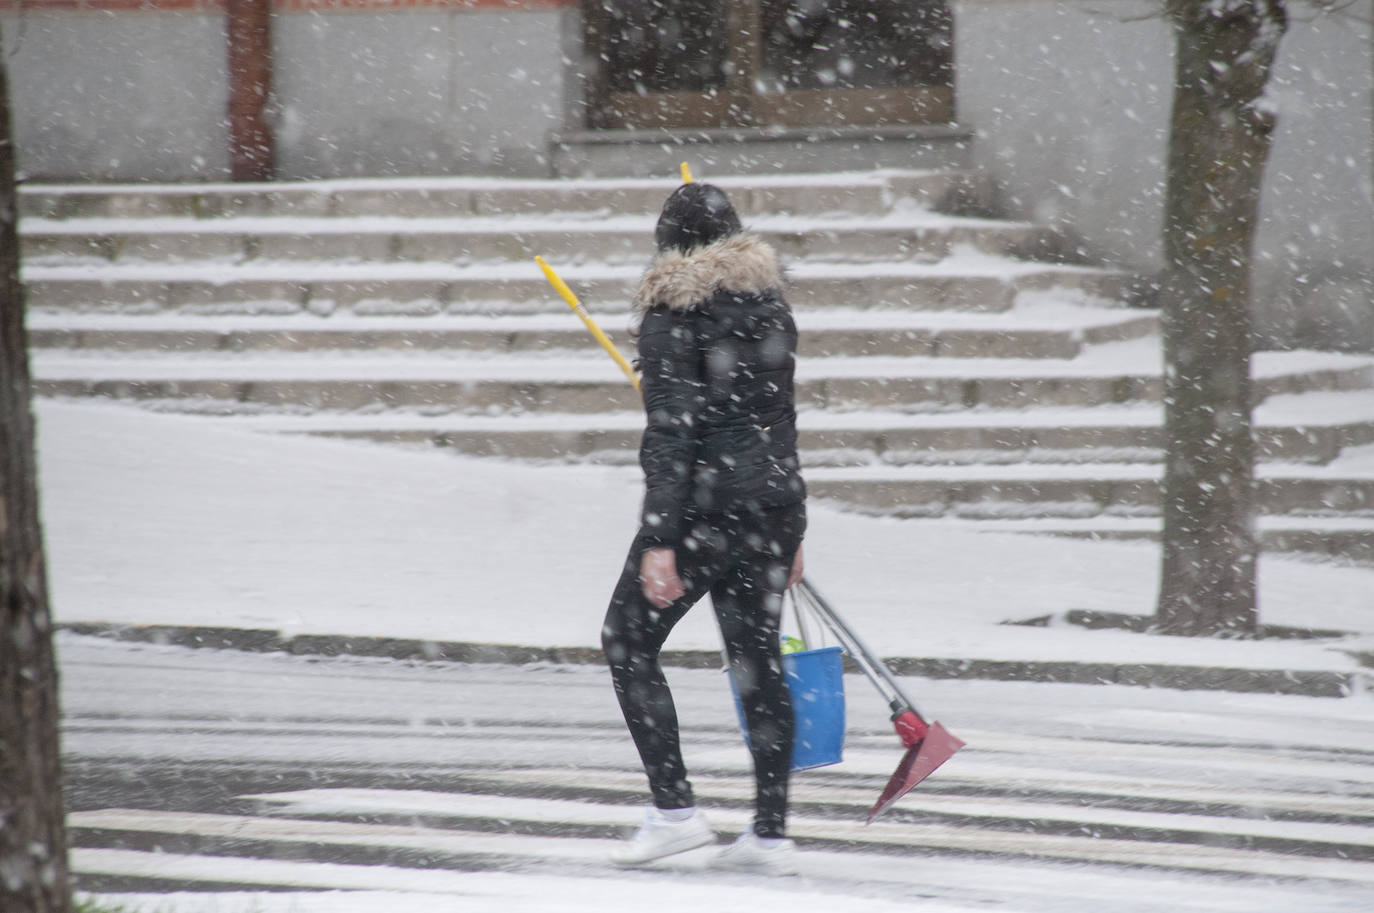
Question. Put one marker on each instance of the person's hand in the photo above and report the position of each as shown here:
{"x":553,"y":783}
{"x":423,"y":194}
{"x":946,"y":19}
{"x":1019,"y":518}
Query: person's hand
{"x":798,"y":568}
{"x":658,"y":577}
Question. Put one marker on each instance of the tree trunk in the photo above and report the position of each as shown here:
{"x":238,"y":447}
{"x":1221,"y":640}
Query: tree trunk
{"x":252,"y":151}
{"x":1219,"y":142}
{"x":33,"y":840}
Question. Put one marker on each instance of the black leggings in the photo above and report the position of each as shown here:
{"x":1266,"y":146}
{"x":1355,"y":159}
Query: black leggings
{"x":743,"y":562}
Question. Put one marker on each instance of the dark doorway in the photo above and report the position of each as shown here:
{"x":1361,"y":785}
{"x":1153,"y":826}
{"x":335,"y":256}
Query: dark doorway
{"x":731,"y":63}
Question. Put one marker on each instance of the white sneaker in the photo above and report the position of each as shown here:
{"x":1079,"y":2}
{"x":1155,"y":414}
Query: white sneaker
{"x":658,"y":837}
{"x":749,"y":854}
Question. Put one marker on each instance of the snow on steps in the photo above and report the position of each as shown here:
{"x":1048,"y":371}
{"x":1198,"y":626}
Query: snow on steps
{"x":1338,"y":537}
{"x":867,"y":192}
{"x":463,"y":245}
{"x":1045,"y":330}
{"x":1077,"y":490}
{"x":952,"y":365}
{"x":1131,"y":434}
{"x":589,"y":382}
{"x":908,"y":233}
{"x":966,"y":280}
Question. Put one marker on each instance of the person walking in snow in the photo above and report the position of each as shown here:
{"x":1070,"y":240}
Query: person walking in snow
{"x":724,"y":513}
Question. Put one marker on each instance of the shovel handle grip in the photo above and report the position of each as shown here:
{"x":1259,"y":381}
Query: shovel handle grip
{"x":910,"y":727}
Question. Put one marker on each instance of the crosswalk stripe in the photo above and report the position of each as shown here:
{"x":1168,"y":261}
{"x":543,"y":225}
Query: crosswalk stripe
{"x":880,"y":837}
{"x":956,"y":788}
{"x":1318,"y":839}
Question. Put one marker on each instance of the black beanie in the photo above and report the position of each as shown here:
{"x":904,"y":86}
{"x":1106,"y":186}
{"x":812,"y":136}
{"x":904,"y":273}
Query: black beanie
{"x":694,"y":216}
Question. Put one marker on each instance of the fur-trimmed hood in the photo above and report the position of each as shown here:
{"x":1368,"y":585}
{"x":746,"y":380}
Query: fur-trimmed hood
{"x":740,"y":263}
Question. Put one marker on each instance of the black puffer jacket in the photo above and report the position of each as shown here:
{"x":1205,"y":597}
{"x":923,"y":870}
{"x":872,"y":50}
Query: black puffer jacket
{"x":717,"y":350}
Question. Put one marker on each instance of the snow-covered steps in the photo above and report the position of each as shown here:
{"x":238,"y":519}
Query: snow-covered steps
{"x":934,"y":340}
{"x":1350,"y":538}
{"x":590,"y":382}
{"x":430,"y":246}
{"x":1062,"y":477}
{"x":857,"y":193}
{"x":1076,"y":490}
{"x":1117,"y":373}
{"x":967,"y":280}
{"x":917,"y":234}
{"x":1131,"y":433}
{"x":1286,"y":429}
{"x":1029,"y":330}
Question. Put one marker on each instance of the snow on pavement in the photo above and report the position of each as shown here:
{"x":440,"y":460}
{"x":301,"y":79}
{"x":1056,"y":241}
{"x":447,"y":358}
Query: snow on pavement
{"x":178,"y":520}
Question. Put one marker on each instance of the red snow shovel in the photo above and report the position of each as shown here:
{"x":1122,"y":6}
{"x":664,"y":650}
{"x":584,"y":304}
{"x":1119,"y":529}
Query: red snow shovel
{"x":928,"y":744}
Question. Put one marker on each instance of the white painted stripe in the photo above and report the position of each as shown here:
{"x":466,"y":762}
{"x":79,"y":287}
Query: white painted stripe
{"x":342,"y":833}
{"x":355,"y":801}
{"x":815,"y":786}
{"x":914,"y":837}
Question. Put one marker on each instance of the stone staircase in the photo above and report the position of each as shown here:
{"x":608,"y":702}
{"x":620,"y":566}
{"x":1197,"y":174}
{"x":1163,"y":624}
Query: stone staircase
{"x":953,"y":366}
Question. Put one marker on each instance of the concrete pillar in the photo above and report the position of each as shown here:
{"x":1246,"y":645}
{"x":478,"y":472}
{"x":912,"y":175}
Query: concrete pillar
{"x":252,"y":155}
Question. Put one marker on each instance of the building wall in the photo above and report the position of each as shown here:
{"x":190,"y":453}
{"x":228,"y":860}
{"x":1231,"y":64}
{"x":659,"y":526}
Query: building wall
{"x":98,"y":94}
{"x":1071,"y":103}
{"x":472,"y":91}
{"x":137,"y":89}
{"x":1315,"y":256}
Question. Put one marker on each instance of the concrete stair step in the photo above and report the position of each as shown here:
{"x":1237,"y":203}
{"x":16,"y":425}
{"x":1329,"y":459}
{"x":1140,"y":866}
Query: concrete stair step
{"x":1118,"y":373}
{"x":917,"y":235}
{"x":869,"y":192}
{"x":753,"y":150}
{"x":1286,"y":429}
{"x":975,"y":283}
{"x":1111,"y":374}
{"x":1131,"y":434}
{"x":1074,"y":491}
{"x":1049,"y":330}
{"x":1349,"y":539}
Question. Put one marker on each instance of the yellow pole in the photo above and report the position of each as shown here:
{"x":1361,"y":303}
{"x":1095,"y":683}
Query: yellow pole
{"x":562,"y":288}
{"x":686,"y":174}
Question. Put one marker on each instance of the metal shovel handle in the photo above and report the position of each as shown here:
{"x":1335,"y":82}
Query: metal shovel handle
{"x":868,"y":662}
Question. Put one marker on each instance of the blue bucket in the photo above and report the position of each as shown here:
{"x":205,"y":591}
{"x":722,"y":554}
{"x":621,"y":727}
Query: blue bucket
{"x":816,"y":680}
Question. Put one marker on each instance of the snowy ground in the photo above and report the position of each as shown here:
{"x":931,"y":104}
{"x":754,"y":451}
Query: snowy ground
{"x":154,"y":519}
{"x":248,"y":782}
{"x":176,"y":520}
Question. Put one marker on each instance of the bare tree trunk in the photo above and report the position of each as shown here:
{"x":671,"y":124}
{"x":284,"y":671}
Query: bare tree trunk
{"x":252,"y":149}
{"x":33,"y":840}
{"x":1219,"y":143}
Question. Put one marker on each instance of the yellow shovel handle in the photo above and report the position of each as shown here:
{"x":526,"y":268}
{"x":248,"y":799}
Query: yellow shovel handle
{"x":562,"y":288}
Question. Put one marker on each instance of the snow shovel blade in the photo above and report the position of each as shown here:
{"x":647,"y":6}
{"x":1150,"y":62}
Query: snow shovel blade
{"x":919,"y":762}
